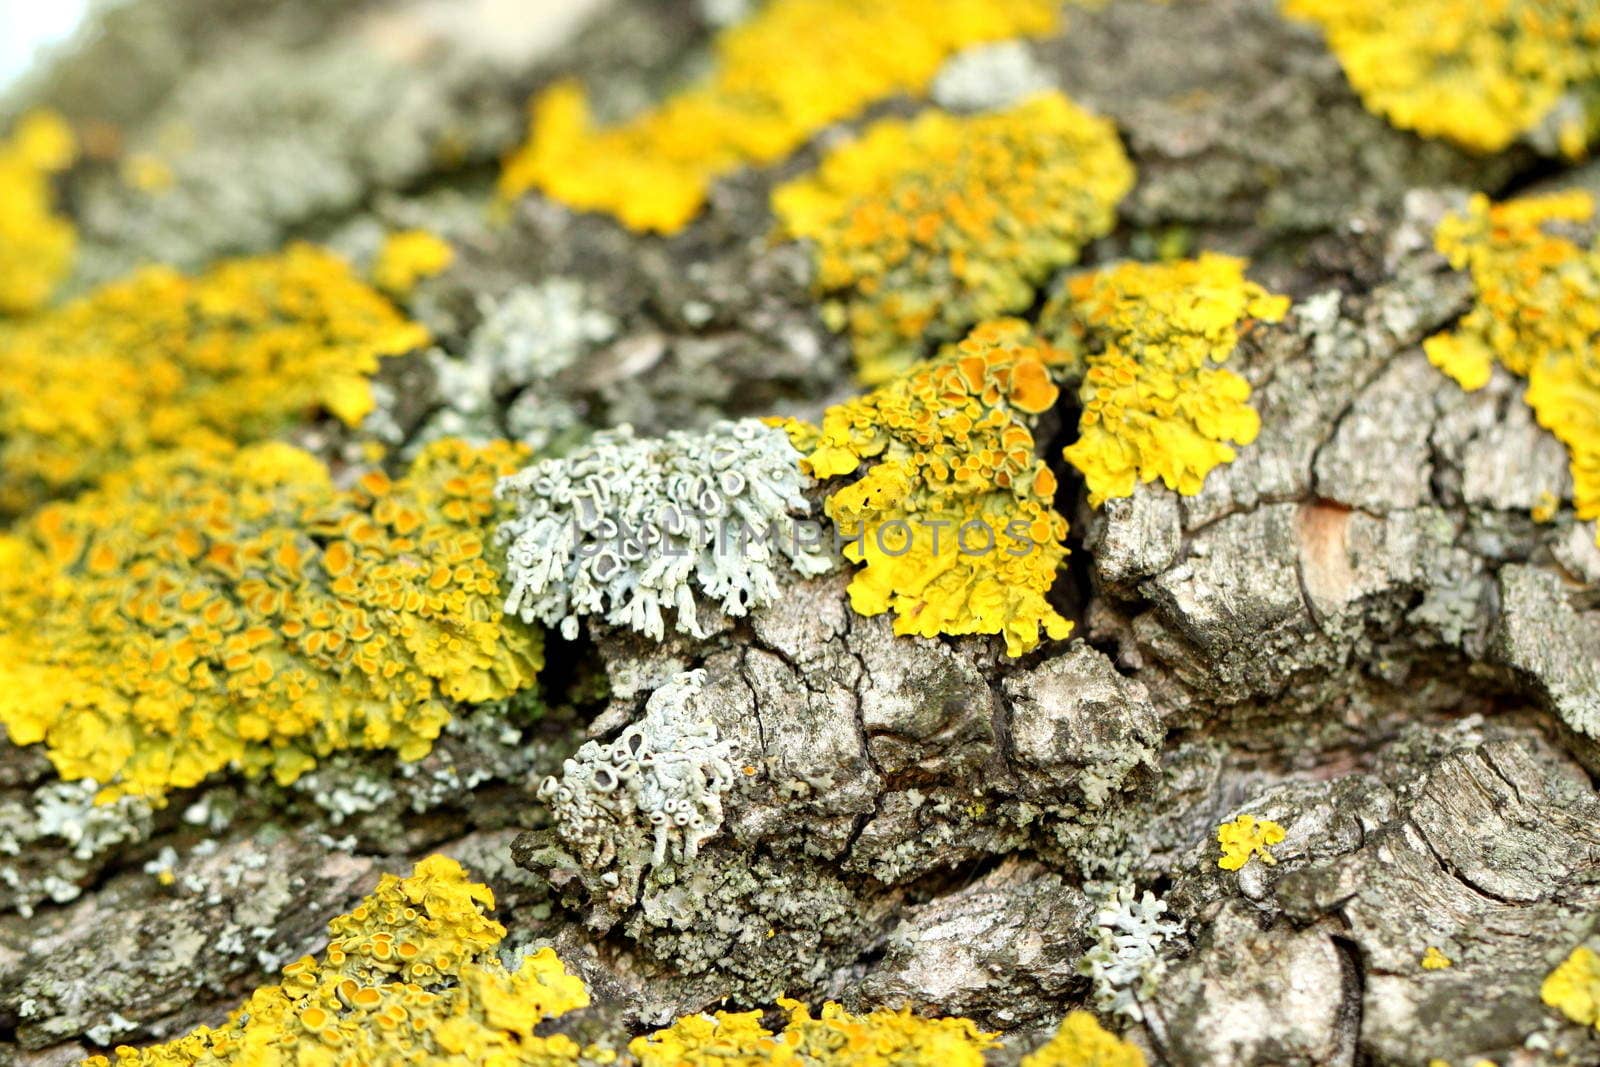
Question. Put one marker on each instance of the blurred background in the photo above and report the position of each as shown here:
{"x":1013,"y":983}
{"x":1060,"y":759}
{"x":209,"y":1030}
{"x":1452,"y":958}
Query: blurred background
{"x":29,"y":26}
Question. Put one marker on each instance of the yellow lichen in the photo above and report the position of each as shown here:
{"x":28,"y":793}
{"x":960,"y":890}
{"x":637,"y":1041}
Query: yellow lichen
{"x":1537,"y":314}
{"x":1573,"y":988}
{"x":406,"y":258}
{"x":36,"y":245}
{"x":836,"y":1038}
{"x":158,"y":359}
{"x":1245,"y":837}
{"x":1433,"y":959}
{"x":777,"y":79}
{"x":411,"y":976}
{"x":217,"y":607}
{"x":1481,"y":74}
{"x":953,"y":518}
{"x":1154,"y":403}
{"x":925,"y":227}
{"x":1083,"y":1042}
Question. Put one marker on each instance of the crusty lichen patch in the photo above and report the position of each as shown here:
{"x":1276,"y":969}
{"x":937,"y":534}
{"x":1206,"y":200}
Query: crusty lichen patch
{"x":1537,"y":314}
{"x":924,"y":227}
{"x":952,"y":516}
{"x":793,"y":68}
{"x":1479,"y":74}
{"x":1155,"y":403}
{"x":36,"y":244}
{"x":217,"y":607}
{"x":160,"y":360}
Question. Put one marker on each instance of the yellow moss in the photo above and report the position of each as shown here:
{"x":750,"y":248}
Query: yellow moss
{"x":1435,"y":960}
{"x":792,"y":69}
{"x":411,"y":976}
{"x":1245,"y":837}
{"x":406,"y":258}
{"x":836,"y":1038}
{"x":153,"y":361}
{"x":952,"y":519}
{"x":925,"y":227}
{"x":217,"y":607}
{"x":1154,"y":403}
{"x":1481,"y":73}
{"x":1537,"y":314}
{"x":36,"y":245}
{"x":1083,"y":1042}
{"x":1573,"y":988}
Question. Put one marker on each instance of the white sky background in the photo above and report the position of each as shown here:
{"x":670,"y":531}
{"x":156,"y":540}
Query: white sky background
{"x":25,"y":25}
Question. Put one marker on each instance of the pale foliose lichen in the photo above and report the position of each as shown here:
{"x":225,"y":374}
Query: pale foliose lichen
{"x":629,"y":528}
{"x":1125,"y":963}
{"x":1479,"y":74}
{"x":657,"y":787}
{"x":795,"y":67}
{"x":989,"y":76}
{"x":525,"y":339}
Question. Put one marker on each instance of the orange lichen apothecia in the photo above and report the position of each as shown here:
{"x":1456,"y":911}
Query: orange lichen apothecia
{"x":1537,"y":314}
{"x":953,"y":518}
{"x":217,"y":607}
{"x":157,"y":360}
{"x":792,"y":69}
{"x":1480,"y":74}
{"x":35,"y":244}
{"x":411,"y":976}
{"x":923,"y":228}
{"x":836,"y":1037}
{"x":1154,"y":404}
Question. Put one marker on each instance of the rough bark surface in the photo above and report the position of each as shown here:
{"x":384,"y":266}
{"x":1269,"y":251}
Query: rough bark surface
{"x":1356,"y":630}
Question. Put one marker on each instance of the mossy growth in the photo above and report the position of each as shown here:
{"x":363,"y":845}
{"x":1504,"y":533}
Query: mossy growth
{"x":1573,"y":988}
{"x":1481,"y":75}
{"x":36,"y":244}
{"x":951,"y":513}
{"x":1537,"y":315}
{"x":924,"y":227}
{"x":1155,"y":403}
{"x":219,"y":607}
{"x":159,"y":360}
{"x":793,"y":68}
{"x":411,"y":976}
{"x":406,"y":258}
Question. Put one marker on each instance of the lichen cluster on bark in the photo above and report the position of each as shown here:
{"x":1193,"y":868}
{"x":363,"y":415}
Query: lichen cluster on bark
{"x":1356,"y":629}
